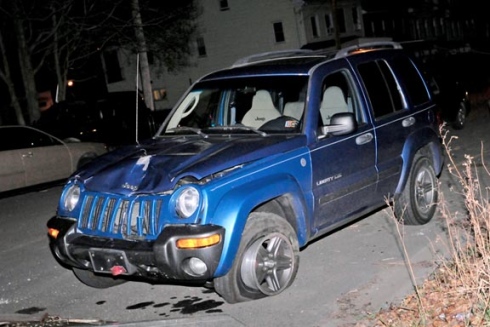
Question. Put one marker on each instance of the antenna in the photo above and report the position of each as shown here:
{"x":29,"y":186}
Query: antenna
{"x":137,"y":94}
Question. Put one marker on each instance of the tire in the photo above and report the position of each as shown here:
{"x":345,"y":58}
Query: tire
{"x":89,"y":278}
{"x":460,"y":116}
{"x":417,"y":203}
{"x":266,"y":262}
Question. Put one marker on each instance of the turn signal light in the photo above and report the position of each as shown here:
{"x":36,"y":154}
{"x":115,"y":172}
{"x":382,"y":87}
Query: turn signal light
{"x":194,"y":243}
{"x":53,"y":232}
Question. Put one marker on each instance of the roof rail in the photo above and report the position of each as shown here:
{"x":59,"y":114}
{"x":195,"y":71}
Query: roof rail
{"x":368,"y":46}
{"x":264,"y":56}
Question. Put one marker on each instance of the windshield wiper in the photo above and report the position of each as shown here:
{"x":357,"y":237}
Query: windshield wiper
{"x":191,"y":129}
{"x":237,"y":127}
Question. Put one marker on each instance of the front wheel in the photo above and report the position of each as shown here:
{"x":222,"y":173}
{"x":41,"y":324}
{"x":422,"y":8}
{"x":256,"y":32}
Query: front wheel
{"x":266,"y":262}
{"x":96,"y":281}
{"x":416,"y":205}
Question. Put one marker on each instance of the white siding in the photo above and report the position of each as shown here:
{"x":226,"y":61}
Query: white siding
{"x":245,"y":29}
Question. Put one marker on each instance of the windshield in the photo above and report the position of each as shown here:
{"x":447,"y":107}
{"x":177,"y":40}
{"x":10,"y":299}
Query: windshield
{"x":243,"y":105}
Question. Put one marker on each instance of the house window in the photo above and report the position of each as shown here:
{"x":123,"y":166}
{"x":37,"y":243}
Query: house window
{"x":355,"y":19}
{"x":112,"y":66}
{"x":201,"y":47}
{"x":159,"y":94}
{"x":329,"y":24}
{"x":223,"y":5}
{"x":279,"y":32}
{"x":341,"y":20}
{"x":314,"y":26}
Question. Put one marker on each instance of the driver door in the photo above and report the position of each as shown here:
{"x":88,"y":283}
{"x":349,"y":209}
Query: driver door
{"x":344,"y":174}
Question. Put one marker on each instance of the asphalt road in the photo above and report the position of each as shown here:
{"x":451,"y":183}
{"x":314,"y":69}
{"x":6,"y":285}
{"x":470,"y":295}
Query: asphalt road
{"x":342,"y":278}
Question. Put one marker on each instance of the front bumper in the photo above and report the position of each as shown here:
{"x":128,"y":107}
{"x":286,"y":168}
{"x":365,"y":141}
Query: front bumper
{"x":158,"y":260}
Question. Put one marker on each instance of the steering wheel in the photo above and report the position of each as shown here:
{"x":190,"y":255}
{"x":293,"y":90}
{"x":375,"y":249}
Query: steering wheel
{"x":284,"y":124}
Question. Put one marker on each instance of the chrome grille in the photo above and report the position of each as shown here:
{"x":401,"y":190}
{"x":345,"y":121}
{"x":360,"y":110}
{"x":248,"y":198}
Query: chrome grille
{"x":128,"y":217}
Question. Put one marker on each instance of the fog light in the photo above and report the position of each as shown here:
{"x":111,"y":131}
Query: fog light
{"x":195,"y":267}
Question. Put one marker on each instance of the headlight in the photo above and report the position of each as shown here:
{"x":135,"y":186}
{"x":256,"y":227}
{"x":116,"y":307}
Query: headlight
{"x":72,"y":196}
{"x":187,"y":202}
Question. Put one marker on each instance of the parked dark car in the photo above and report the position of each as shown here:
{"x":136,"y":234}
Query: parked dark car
{"x":110,"y":120}
{"x":70,"y":119}
{"x":452,"y":100}
{"x":118,"y":116}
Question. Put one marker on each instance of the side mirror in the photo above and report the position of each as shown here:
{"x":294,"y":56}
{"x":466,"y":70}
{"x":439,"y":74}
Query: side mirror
{"x":340,"y":124}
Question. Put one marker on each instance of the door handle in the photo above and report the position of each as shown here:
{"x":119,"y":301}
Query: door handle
{"x":407,"y":122}
{"x":27,"y":155}
{"x":365,"y":138}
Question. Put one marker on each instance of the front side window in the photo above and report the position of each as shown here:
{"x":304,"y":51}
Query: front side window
{"x":338,"y":96}
{"x":269,"y":104}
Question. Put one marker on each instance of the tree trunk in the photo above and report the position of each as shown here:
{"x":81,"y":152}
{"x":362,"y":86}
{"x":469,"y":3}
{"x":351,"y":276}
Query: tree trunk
{"x":7,"y":78}
{"x":60,"y":72}
{"x":142,"y":50}
{"x":27,"y":72}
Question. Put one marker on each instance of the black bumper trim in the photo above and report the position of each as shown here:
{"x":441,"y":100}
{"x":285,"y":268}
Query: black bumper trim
{"x":159,"y":259}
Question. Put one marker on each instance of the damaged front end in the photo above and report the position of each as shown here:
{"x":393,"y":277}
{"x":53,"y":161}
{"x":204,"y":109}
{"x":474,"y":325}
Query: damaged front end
{"x":149,"y":211}
{"x":154,"y":236}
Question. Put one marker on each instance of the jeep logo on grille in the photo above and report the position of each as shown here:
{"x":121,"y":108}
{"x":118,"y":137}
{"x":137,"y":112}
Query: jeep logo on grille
{"x":129,"y":186}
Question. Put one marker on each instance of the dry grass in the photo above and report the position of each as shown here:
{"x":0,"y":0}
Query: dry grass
{"x":458,"y":292}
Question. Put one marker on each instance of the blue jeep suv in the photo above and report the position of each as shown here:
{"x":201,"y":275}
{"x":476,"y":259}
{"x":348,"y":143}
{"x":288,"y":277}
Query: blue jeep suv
{"x":251,"y":165}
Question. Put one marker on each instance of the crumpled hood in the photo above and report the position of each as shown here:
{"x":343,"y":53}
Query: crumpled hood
{"x":158,"y":164}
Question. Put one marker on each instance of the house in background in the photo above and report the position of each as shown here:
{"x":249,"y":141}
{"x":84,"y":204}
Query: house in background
{"x":233,"y":29}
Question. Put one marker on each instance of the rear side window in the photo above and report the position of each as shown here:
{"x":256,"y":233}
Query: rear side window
{"x":382,"y":88}
{"x":411,"y":79}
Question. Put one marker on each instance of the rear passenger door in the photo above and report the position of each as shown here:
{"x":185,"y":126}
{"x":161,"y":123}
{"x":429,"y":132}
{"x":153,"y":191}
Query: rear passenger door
{"x":395,"y":91}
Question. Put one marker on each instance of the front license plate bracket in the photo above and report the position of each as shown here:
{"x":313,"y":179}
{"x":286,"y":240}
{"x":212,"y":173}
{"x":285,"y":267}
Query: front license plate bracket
{"x":106,"y":260}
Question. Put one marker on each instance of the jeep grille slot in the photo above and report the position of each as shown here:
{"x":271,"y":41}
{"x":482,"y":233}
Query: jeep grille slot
{"x":133,"y":217}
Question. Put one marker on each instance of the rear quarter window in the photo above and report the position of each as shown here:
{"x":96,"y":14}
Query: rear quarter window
{"x":411,"y":80}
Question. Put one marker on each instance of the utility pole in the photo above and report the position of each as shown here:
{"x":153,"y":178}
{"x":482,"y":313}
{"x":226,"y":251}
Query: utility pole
{"x":143,"y":52}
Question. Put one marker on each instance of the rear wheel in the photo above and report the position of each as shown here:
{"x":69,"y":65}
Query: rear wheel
{"x":460,"y":116}
{"x":266,"y":262}
{"x":89,"y":278}
{"x":416,"y":205}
